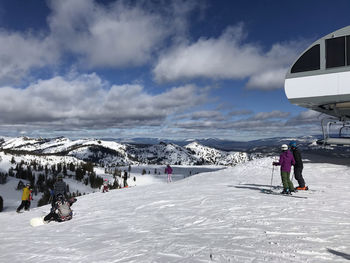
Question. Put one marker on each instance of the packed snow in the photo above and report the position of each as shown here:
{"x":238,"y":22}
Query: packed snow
{"x":220,"y":216}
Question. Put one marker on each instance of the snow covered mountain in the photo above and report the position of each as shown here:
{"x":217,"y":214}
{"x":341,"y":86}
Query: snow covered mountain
{"x":217,"y":157}
{"x":108,"y":152}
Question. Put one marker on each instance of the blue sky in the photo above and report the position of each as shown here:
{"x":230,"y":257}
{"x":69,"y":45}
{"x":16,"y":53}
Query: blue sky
{"x":168,"y":69}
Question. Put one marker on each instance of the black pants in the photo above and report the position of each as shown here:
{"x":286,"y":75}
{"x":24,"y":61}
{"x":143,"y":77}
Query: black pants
{"x":299,"y":176}
{"x":52,"y":217}
{"x":25,"y":204}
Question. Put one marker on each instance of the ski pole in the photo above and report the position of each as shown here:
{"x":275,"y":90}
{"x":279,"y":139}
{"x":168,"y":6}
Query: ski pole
{"x":273,"y":168}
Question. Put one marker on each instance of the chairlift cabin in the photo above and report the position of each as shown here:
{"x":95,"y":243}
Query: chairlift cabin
{"x":320,"y":80}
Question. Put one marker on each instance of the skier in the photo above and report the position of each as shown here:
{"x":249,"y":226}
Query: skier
{"x":104,"y":187}
{"x":298,"y":167}
{"x":169,"y":171}
{"x":286,"y":161}
{"x":25,"y":199}
{"x":125,"y":177}
{"x":61,"y":211}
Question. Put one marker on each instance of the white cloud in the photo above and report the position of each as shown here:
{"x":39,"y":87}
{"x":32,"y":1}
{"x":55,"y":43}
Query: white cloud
{"x":86,"y":101}
{"x":306,"y":117}
{"x":270,"y":115}
{"x":228,"y":57}
{"x":240,"y":112}
{"x":22,"y":52}
{"x":120,"y":34}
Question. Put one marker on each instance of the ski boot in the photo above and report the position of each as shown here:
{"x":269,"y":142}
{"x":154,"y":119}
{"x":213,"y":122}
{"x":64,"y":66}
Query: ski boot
{"x":302,"y":188}
{"x":286,"y":192}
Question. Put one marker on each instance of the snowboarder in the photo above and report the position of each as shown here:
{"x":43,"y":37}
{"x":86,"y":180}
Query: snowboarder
{"x":125,"y":177}
{"x":298,"y":167}
{"x":169,"y":171}
{"x":25,"y":199}
{"x":104,"y":187}
{"x":61,"y":211}
{"x":286,"y":161}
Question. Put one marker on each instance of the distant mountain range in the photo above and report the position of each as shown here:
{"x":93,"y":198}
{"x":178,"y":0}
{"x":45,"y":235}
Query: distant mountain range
{"x":134,"y":152}
{"x":228,"y":145}
{"x":156,"y":151}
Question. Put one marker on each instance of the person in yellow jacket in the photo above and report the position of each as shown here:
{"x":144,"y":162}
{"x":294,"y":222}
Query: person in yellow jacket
{"x":26,"y":196}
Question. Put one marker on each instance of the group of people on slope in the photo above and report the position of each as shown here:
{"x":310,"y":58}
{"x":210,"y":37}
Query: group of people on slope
{"x":60,"y":205}
{"x":286,"y":161}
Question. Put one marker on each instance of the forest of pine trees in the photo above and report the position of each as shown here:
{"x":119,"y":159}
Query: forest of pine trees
{"x":43,"y":177}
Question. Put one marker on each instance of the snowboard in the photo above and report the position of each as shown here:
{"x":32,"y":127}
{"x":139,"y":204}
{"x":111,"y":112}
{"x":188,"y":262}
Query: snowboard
{"x":37,"y":221}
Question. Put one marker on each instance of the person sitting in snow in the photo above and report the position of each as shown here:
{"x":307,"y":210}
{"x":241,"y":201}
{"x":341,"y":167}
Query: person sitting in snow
{"x":25,"y":199}
{"x":61,"y":211}
{"x":286,"y":161}
{"x":104,"y":187}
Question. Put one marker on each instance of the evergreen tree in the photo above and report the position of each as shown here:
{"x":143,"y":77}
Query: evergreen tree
{"x":79,"y":174}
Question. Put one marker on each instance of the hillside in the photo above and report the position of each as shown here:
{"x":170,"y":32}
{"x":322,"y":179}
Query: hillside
{"x":110,"y":152}
{"x":222,"y":215}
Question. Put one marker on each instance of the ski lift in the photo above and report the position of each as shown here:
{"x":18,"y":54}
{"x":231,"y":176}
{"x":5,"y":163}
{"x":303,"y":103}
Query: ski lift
{"x":320,"y":80}
{"x":340,"y":138}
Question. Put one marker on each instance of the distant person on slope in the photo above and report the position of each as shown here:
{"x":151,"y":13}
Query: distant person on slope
{"x":125,"y":178}
{"x":104,"y":187}
{"x":25,"y":199}
{"x":59,"y":188}
{"x":286,"y":161}
{"x":169,"y":171}
{"x":298,"y":167}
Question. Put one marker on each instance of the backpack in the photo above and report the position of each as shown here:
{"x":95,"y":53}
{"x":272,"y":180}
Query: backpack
{"x":64,"y":211}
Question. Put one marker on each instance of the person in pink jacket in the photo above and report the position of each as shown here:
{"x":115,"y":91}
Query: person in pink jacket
{"x":286,"y":161}
{"x":169,"y":171}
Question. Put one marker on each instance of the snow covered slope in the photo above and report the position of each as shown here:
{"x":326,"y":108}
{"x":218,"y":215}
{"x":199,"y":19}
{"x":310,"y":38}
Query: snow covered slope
{"x":221,"y":215}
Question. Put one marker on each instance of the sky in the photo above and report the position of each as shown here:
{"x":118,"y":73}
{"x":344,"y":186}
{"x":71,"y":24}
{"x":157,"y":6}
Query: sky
{"x":168,"y":69}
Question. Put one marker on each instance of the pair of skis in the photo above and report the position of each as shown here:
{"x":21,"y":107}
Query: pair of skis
{"x":269,"y":191}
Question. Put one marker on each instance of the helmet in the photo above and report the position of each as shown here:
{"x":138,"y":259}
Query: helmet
{"x":60,"y":197}
{"x":293,"y":144}
{"x":284,"y":147}
{"x":28,"y":184}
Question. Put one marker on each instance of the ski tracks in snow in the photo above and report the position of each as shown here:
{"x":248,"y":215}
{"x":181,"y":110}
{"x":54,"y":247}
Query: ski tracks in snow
{"x":202,"y":218}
